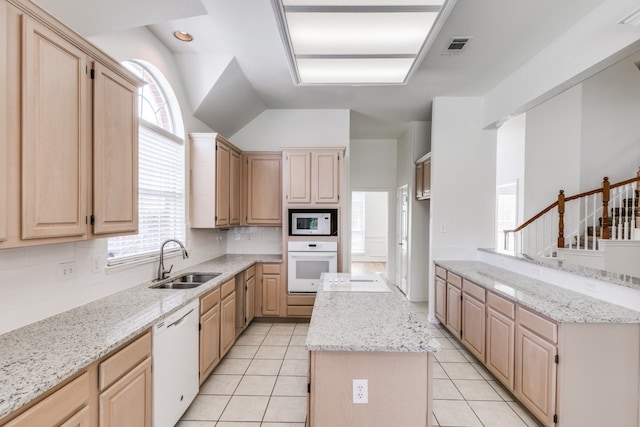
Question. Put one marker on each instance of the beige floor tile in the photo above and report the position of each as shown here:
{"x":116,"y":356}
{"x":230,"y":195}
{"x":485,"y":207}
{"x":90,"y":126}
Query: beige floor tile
{"x":461,"y":371}
{"x":298,"y":340}
{"x":277,"y":340}
{"x":482,"y":371}
{"x":282,"y":425}
{"x":264,"y":367}
{"x":504,"y":394}
{"x":449,"y":355}
{"x":524,"y":415}
{"x":256,"y":385}
{"x":220,"y":384}
{"x":248,"y":339}
{"x":290,"y":386}
{"x":436,"y":333}
{"x":258,"y":329}
{"x":242,"y":352}
{"x":232,"y":366}
{"x":456,"y":413}
{"x":236,"y":424}
{"x":445,"y":343}
{"x":297,"y":353}
{"x":295,"y":367}
{"x":196,"y":424}
{"x":496,"y":414}
{"x":245,"y":408}
{"x":301,"y":329}
{"x":271,"y":352}
{"x":438,"y":372}
{"x":445,"y":389}
{"x":286,"y":409}
{"x":282,"y":329}
{"x":206,"y":408}
{"x":477,"y":390}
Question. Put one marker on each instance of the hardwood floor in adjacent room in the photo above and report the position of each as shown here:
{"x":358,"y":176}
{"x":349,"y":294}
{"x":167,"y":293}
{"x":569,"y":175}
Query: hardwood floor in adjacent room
{"x":368,"y":267}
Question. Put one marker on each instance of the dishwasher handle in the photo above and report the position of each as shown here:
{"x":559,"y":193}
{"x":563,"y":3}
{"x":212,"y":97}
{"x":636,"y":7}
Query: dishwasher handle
{"x":180,"y":320}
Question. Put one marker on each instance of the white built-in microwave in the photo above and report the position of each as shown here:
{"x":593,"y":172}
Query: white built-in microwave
{"x":312,"y":222}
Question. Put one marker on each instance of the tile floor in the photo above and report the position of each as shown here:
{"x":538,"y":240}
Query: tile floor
{"x":262,"y":382}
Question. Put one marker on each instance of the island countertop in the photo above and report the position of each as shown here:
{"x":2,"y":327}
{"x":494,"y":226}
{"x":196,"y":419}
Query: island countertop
{"x":367,"y":321}
{"x":37,"y":357}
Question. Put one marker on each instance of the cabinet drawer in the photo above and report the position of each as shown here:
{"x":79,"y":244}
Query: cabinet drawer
{"x":474,"y":290}
{"x":301,"y":299}
{"x":271,"y":269}
{"x":501,"y":305}
{"x":228,"y":287}
{"x":210,"y":300}
{"x":441,"y":272}
{"x":299,"y":310}
{"x":123,"y":361}
{"x":250,"y":272}
{"x":544,"y":328}
{"x":454,"y":279}
{"x":55,"y":408}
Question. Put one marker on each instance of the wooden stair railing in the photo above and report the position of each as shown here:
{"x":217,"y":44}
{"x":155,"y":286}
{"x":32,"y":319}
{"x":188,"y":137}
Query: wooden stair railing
{"x":562,"y":199}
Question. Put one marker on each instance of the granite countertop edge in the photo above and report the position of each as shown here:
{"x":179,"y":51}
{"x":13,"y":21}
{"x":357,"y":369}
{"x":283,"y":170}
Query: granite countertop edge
{"x":37,"y":357}
{"x":557,"y":303}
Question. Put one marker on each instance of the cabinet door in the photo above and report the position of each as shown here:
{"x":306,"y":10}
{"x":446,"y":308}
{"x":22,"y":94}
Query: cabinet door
{"x":271,"y":295}
{"x":264,"y":190}
{"x":223,"y":159}
{"x":426,"y":178}
{"x":250,"y":299}
{"x":418,"y":180}
{"x":500,"y":347}
{"x":441,"y":300}
{"x":535,"y":368}
{"x":115,"y":153}
{"x":227,"y":323}
{"x":298,"y":177}
{"x":128,"y":401}
{"x":454,"y":304}
{"x":473,"y":325}
{"x":80,"y":419}
{"x":326,"y":177}
{"x":55,"y":135}
{"x":235,"y":193}
{"x":209,"y":341}
{"x":4,"y":122}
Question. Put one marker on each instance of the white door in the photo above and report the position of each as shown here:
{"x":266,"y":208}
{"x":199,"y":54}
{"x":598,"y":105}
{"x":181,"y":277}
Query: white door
{"x":402,"y":235}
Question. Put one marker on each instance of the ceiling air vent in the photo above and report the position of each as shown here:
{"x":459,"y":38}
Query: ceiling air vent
{"x":457,"y":45}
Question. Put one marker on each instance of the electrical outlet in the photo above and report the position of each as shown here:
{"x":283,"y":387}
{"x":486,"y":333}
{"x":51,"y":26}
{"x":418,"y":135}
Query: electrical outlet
{"x":67,"y":270}
{"x":360,"y":391}
{"x":95,"y":264}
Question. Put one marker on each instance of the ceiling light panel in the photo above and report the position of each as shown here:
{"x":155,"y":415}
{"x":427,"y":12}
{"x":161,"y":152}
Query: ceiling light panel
{"x":358,"y":33}
{"x":354,"y":70}
{"x":363,"y":3}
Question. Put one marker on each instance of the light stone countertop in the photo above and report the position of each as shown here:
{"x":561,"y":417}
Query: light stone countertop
{"x":368,"y":321}
{"x":559,"y":304}
{"x":37,"y":357}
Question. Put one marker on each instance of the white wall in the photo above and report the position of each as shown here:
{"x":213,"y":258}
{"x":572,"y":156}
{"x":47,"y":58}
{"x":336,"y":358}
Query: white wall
{"x":510,"y":157}
{"x":552,"y":150}
{"x":463,"y":180}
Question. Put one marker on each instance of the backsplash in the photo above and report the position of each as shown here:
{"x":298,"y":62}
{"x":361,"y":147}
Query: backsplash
{"x":254,"y":240}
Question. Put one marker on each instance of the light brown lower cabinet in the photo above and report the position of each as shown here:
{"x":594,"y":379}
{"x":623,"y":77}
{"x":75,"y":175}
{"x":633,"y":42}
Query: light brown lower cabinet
{"x":454,"y":310}
{"x":209,"y":333}
{"x":268,"y":302}
{"x":441,"y":300}
{"x":566,"y":374}
{"x":128,"y":401}
{"x":227,"y":316}
{"x":400,"y":389}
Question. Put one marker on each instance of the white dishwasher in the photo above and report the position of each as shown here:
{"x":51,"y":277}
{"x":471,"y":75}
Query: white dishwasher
{"x":175,"y":365}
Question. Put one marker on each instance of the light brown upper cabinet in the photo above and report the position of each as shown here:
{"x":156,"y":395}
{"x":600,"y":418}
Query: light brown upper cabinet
{"x":215,"y":181}
{"x":423,"y":177}
{"x":65,"y":104}
{"x":262,"y":176}
{"x":312,"y":176}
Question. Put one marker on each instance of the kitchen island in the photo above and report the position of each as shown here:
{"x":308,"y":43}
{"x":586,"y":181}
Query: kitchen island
{"x":373,"y":336}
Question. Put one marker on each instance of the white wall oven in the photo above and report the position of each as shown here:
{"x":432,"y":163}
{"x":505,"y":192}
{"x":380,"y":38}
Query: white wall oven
{"x":307,"y":261}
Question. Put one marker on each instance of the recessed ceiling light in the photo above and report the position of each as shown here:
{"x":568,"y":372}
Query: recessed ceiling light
{"x":358,"y":42}
{"x":183,"y":36}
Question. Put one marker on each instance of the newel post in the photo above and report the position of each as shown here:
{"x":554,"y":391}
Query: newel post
{"x":561,"y":219}
{"x":605,"y":208}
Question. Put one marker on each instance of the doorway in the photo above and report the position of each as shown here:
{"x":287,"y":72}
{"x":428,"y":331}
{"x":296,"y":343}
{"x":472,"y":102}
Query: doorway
{"x":402,"y":236}
{"x":369,"y":232}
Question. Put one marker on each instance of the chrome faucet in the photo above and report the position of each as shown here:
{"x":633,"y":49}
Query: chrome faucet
{"x":162,"y":273}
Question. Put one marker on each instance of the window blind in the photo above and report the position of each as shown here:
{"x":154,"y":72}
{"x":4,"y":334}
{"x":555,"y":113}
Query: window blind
{"x":161,"y":197}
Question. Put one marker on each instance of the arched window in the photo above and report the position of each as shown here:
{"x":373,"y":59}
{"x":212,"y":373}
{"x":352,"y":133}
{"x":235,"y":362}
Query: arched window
{"x":161,"y":170}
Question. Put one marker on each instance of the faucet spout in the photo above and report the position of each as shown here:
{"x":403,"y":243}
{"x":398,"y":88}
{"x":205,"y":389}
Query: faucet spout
{"x":162,"y":273}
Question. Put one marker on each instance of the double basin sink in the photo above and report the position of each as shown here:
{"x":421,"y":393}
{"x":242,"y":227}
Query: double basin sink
{"x":185,"y":281}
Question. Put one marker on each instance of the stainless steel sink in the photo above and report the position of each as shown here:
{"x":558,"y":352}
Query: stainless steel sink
{"x":185,"y":281}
